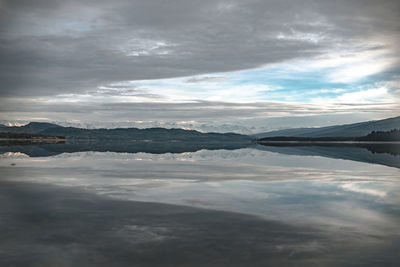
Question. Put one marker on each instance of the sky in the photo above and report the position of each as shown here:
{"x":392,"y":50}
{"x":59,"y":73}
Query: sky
{"x":243,"y":66}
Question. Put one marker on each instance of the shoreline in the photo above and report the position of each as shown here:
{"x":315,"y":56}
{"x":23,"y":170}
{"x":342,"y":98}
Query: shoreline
{"x":45,"y":139}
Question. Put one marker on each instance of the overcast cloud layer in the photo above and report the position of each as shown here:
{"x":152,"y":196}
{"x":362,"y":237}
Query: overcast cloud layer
{"x":89,"y":55}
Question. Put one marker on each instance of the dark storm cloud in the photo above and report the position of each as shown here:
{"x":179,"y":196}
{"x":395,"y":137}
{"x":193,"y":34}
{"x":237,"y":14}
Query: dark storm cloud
{"x":52,"y":47}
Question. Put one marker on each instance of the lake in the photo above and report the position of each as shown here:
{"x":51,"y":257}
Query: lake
{"x":237,"y":206}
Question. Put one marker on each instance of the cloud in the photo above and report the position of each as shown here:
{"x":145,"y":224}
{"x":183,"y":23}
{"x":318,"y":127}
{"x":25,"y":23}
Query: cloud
{"x":214,"y":65}
{"x":62,"y":47}
{"x":200,"y":115}
{"x":375,"y":95}
{"x":205,"y":79}
{"x":380,"y":92}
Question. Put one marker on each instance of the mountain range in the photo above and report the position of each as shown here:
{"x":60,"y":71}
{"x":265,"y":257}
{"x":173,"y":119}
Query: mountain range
{"x":163,"y":134}
{"x":133,"y":134}
{"x":346,"y":130}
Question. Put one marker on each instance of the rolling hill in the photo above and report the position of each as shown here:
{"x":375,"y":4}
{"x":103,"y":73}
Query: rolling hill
{"x":149,"y":134}
{"x":346,"y":130}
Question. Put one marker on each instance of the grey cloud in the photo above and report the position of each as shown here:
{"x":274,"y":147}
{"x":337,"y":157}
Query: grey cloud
{"x":122,"y":90}
{"x":206,"y":79}
{"x":53,"y":47}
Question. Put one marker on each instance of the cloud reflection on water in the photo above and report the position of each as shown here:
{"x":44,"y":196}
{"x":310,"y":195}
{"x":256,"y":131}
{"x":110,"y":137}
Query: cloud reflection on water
{"x":338,"y":198}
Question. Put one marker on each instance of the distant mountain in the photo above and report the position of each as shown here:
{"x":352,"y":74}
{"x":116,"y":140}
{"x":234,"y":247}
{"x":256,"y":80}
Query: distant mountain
{"x":149,"y":134}
{"x":30,"y":128}
{"x":346,"y":130}
{"x":382,"y":136}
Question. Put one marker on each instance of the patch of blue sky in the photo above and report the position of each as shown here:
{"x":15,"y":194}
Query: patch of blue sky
{"x":282,"y":83}
{"x":292,"y":85}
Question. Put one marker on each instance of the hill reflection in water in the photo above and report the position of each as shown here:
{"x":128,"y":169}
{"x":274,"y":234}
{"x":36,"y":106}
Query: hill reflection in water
{"x":377,"y":153}
{"x":221,"y":207}
{"x":123,"y":146}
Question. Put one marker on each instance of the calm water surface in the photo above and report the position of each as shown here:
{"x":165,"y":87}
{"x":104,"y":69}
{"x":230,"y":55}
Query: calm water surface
{"x":255,"y":206}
